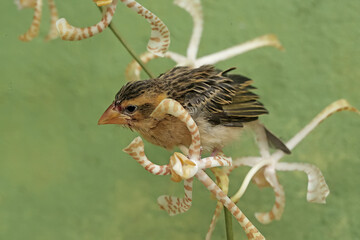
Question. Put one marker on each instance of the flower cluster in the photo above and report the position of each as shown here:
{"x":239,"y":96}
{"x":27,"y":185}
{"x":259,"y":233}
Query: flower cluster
{"x":189,"y":164}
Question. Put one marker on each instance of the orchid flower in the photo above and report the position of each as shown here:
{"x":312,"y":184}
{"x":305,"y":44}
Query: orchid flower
{"x":160,"y":36}
{"x":263,"y":168}
{"x":194,"y":8}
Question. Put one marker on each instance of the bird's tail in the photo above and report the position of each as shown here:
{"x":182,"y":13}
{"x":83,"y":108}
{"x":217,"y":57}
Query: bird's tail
{"x":276,"y":142}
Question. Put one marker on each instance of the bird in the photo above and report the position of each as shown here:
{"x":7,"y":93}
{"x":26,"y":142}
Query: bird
{"x":220,"y":103}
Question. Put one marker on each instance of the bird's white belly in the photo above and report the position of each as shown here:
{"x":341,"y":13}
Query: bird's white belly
{"x":216,"y":137}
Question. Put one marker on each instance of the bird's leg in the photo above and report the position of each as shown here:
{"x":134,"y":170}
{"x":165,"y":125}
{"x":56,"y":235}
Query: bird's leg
{"x":34,"y":27}
{"x":136,"y":150}
{"x":71,"y":33}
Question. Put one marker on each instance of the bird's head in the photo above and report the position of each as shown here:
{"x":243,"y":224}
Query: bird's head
{"x":133,"y":105}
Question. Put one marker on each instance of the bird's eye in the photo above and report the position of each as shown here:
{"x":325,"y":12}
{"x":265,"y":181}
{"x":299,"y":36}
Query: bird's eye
{"x":131,"y":108}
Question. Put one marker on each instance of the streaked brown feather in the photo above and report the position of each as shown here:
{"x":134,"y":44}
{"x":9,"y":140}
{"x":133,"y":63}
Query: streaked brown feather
{"x":215,"y":99}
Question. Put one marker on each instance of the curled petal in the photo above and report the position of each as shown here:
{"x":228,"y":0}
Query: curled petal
{"x":317,"y":190}
{"x":337,"y":106}
{"x":195,"y":10}
{"x":248,"y":178}
{"x":71,"y":33}
{"x":175,"y":205}
{"x":277,"y":210}
{"x":136,"y":151}
{"x":34,"y":27}
{"x":263,"y":41}
{"x":53,"y":33}
{"x":219,"y":160}
{"x":160,"y":36}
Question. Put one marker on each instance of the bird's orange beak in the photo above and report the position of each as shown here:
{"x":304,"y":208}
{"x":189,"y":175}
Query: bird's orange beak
{"x":112,"y":116}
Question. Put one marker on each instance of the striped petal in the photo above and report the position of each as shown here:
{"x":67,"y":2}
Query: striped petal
{"x":71,"y":33}
{"x":53,"y":33}
{"x":34,"y":27}
{"x":195,"y":9}
{"x":160,"y":36}
{"x":175,"y":205}
{"x":317,"y":190}
{"x":263,"y":41}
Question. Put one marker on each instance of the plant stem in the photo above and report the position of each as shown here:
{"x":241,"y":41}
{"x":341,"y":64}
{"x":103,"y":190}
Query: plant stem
{"x":228,"y":224}
{"x":127,"y":47}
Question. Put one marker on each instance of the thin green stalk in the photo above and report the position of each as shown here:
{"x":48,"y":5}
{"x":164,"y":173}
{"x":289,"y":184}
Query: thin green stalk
{"x":127,"y":47}
{"x":228,"y":224}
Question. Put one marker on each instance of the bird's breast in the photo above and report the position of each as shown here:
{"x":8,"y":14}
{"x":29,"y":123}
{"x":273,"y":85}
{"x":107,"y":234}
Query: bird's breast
{"x":167,"y":133}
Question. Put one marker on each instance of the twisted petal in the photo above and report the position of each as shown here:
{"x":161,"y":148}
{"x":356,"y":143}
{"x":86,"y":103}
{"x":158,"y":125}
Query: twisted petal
{"x":263,"y":41}
{"x":34,"y":27}
{"x":337,"y":106}
{"x":195,"y":10}
{"x":53,"y":33}
{"x":220,"y":160}
{"x":317,"y":190}
{"x":136,"y":151}
{"x":174,"y":205}
{"x":160,"y":36}
{"x":71,"y":33}
{"x":277,"y":210}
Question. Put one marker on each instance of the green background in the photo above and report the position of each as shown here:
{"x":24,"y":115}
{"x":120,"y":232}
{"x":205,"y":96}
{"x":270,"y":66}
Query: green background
{"x":64,"y":177}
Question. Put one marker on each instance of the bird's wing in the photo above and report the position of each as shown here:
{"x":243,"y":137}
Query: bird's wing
{"x":221,"y":98}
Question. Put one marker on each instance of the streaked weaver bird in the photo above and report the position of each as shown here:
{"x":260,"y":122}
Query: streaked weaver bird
{"x":220,"y":103}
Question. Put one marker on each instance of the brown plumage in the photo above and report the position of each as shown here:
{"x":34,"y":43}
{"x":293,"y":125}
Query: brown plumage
{"x":220,"y":103}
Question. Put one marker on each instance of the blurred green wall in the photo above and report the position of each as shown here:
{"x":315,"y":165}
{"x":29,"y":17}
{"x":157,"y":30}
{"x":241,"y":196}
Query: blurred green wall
{"x":64,"y":177}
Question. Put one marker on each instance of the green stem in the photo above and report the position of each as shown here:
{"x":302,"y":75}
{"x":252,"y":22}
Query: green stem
{"x":228,"y":224}
{"x":127,"y":47}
